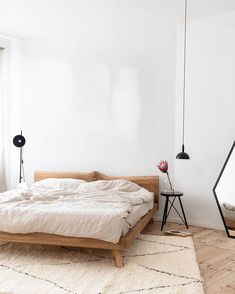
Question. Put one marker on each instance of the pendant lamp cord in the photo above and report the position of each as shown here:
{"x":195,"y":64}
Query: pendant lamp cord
{"x":184,"y":78}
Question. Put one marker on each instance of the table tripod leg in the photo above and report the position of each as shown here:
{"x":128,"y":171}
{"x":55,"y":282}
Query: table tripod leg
{"x":164,"y":218}
{"x":185,"y":221}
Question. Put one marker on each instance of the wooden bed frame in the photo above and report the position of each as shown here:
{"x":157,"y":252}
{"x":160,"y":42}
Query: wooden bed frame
{"x":150,"y":183}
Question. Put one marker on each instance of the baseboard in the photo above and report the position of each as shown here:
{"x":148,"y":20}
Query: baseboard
{"x":191,"y":222}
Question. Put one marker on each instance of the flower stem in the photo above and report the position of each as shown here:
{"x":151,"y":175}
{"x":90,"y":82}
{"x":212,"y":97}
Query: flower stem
{"x":169,"y":181}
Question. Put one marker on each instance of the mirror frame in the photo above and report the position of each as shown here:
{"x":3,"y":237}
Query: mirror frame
{"x":216,"y":184}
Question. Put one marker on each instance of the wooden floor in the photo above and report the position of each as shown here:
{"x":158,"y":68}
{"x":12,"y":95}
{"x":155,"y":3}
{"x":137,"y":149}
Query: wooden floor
{"x":215,"y":254}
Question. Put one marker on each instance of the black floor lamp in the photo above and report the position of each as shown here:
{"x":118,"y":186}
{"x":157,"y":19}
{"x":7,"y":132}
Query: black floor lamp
{"x":183,"y":154}
{"x":19,"y":141}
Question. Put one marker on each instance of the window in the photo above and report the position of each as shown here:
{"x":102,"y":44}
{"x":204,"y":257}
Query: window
{"x":2,"y":116}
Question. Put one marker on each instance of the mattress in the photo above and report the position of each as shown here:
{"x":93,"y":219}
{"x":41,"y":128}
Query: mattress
{"x":137,"y":213}
{"x":100,"y":210}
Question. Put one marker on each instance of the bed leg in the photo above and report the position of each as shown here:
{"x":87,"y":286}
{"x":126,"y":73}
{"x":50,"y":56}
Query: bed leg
{"x":117,"y":258}
{"x":151,"y":220}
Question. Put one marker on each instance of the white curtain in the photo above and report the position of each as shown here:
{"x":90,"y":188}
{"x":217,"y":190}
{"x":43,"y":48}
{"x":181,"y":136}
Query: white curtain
{"x":3,"y":185}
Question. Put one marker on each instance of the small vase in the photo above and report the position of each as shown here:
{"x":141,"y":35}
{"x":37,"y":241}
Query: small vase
{"x":166,"y":186}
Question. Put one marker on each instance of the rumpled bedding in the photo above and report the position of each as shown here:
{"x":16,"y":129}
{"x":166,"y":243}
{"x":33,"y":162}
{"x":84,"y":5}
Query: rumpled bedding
{"x":93,"y":210}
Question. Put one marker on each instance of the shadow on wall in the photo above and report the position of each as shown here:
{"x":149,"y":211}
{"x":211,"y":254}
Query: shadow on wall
{"x":115,"y":95}
{"x":102,"y":97}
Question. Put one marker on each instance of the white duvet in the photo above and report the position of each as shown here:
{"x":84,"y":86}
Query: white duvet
{"x":92,"y":210}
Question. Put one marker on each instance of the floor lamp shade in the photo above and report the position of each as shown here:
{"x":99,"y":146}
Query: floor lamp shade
{"x":19,"y":141}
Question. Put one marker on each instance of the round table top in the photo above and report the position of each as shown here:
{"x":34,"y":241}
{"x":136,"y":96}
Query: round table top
{"x":172,"y":193}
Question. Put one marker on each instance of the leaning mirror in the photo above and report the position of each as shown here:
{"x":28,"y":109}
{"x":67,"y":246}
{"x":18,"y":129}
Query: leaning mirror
{"x":224,"y":191}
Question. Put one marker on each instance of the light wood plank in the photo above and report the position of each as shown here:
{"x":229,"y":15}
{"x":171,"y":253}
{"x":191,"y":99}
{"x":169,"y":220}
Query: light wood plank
{"x":51,"y":239}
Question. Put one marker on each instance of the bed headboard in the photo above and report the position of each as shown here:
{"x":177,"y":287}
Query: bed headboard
{"x":150,"y":183}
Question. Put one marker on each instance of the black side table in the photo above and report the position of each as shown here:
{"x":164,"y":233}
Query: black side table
{"x":166,"y":212}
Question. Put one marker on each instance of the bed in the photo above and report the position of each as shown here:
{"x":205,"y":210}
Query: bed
{"x":150,"y":183}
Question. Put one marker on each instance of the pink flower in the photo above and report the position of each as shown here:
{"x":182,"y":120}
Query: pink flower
{"x":163,"y":166}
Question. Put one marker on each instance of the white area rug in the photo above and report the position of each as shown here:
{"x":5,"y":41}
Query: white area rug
{"x":154,"y":264}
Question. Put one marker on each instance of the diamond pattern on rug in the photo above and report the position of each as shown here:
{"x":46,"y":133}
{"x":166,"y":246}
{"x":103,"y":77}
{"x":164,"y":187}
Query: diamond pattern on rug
{"x":154,"y":264}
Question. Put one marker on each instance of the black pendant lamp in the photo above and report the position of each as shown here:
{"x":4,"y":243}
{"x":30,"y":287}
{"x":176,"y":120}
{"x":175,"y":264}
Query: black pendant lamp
{"x":183,"y":154}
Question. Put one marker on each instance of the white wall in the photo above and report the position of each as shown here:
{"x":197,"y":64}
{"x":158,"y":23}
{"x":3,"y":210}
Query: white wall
{"x":99,"y":95}
{"x":210,"y":119}
{"x":225,"y":189}
{"x":101,"y":99}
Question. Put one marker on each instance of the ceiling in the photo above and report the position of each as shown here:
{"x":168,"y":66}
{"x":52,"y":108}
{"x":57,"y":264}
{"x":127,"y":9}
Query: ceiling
{"x":30,"y":18}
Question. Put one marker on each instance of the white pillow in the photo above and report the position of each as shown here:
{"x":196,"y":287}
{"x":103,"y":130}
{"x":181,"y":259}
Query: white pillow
{"x":119,"y":185}
{"x":59,"y":183}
